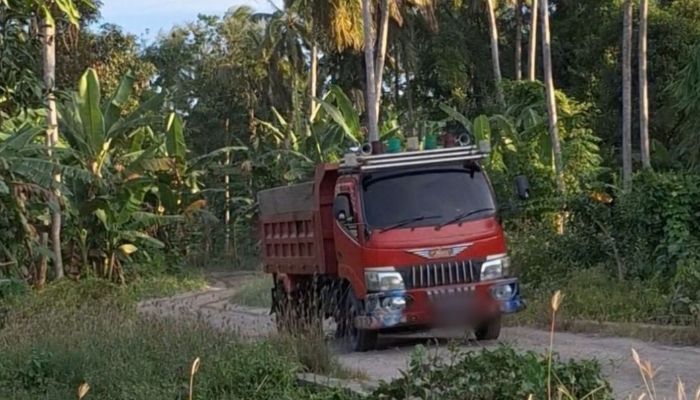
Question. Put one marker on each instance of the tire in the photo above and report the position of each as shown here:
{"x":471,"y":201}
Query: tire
{"x":488,"y":330}
{"x":354,"y":339}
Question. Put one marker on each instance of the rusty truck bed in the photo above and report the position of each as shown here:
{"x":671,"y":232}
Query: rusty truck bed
{"x":297,"y":226}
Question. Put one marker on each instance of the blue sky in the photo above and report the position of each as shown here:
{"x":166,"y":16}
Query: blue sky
{"x":152,"y":16}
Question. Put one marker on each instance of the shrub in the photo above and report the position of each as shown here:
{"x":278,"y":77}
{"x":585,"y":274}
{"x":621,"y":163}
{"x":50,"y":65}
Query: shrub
{"x":647,"y":239}
{"x":502,"y":373}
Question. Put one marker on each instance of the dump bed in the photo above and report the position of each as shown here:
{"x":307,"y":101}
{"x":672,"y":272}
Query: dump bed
{"x":297,"y":226}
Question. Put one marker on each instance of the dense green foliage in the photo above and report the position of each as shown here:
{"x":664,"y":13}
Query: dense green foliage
{"x":646,"y":239}
{"x":502,"y":373}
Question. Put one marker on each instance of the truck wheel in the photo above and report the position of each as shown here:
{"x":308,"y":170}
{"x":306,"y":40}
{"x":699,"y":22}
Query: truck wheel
{"x":353,"y":338}
{"x":489,"y":330}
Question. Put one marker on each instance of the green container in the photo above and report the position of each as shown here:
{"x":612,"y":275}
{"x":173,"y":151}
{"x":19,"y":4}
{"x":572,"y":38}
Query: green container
{"x":430,"y":142}
{"x":393,"y":145}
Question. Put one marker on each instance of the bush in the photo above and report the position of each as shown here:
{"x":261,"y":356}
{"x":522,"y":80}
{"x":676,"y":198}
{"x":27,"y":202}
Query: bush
{"x":502,"y":373}
{"x":647,"y":239}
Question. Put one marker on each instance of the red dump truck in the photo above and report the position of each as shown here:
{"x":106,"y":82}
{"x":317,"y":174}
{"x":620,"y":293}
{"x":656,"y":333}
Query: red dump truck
{"x":391,"y":242}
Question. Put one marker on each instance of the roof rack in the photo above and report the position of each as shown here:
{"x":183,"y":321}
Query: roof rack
{"x":365,"y":163}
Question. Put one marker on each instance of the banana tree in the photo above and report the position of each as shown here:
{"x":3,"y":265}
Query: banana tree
{"x":93,"y":130}
{"x":26,"y":179}
{"x":138,"y":162}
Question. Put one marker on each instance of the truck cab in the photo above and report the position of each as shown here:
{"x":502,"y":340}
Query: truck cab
{"x":408,"y":241}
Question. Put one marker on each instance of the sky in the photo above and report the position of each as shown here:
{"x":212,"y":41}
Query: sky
{"x":146,"y":18}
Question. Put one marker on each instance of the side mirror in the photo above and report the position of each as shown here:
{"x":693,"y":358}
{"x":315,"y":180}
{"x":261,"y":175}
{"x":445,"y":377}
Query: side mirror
{"x":341,"y":208}
{"x":522,"y":187}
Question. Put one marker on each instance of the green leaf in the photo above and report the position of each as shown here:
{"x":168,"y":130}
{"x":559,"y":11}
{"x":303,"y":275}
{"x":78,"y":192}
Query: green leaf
{"x":346,"y":108}
{"x":337,"y":116}
{"x":116,"y":103}
{"x":69,"y":10}
{"x":135,"y":236}
{"x":48,"y":18}
{"x":457,"y":116}
{"x":89,"y":105}
{"x":20,"y":139}
{"x":545,"y":150}
{"x":482,"y":128}
{"x":138,"y":138}
{"x":102,"y":216}
{"x":216,"y":153}
{"x":175,"y":138}
{"x":279,"y":135}
{"x":3,"y":187}
{"x":137,"y":117}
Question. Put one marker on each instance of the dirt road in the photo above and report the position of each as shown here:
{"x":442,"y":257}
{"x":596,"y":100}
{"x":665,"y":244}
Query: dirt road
{"x":213,"y":305}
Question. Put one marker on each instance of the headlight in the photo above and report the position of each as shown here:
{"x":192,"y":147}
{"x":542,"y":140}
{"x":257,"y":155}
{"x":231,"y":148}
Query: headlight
{"x":495,"y":267}
{"x":383,"y":280}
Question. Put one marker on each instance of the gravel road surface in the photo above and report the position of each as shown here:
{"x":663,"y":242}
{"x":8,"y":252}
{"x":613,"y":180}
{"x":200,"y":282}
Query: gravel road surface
{"x":614,"y":353}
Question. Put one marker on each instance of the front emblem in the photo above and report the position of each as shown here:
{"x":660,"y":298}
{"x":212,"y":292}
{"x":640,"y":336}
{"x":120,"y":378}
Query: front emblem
{"x":440,"y":252}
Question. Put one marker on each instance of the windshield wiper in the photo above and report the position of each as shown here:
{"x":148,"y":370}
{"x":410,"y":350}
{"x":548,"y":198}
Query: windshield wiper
{"x":407,"y":221}
{"x":464,"y":215}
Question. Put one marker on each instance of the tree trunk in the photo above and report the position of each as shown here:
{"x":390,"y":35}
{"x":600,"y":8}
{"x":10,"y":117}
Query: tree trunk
{"x":532,"y":56}
{"x":381,"y":52}
{"x":551,"y":100}
{"x":643,"y":88}
{"x":409,"y":92}
{"x":397,"y":76}
{"x":495,"y":59}
{"x":42,"y":267}
{"x":49,"y":60}
{"x":371,"y":96}
{"x":627,"y":94}
{"x":519,"y":40}
{"x":227,"y":194}
{"x":313,"y":81}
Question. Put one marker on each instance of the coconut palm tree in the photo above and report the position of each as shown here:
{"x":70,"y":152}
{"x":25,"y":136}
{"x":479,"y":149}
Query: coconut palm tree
{"x":518,"y":39}
{"x":532,"y":50}
{"x":371,"y":83}
{"x":643,"y":85}
{"x":627,"y":93}
{"x":340,"y":19}
{"x":551,"y":100}
{"x":495,"y":58}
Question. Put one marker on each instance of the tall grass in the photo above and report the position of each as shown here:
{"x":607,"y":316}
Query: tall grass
{"x":51,"y":345}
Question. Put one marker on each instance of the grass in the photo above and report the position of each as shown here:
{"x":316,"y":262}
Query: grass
{"x":89,"y":332}
{"x":597,"y":303}
{"x":593,"y":295}
{"x":254,"y":291}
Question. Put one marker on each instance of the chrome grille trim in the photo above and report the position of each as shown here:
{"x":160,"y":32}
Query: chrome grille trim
{"x":440,"y":274}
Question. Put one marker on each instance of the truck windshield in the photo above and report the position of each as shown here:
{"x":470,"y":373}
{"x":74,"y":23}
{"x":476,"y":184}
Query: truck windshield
{"x":446,"y":195}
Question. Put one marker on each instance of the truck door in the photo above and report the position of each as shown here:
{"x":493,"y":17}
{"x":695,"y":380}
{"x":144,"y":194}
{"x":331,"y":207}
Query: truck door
{"x":348,"y":234}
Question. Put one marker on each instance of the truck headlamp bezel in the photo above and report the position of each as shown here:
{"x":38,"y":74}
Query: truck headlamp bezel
{"x":383,"y":279}
{"x":495,"y":267}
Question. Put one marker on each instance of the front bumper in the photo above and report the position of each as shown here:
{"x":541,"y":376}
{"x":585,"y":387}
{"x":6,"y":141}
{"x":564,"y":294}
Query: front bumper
{"x":443,"y":305}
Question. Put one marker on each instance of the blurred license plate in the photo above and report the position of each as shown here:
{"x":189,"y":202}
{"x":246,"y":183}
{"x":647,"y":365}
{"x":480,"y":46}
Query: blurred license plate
{"x":451,"y":301}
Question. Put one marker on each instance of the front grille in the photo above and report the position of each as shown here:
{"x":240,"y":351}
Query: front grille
{"x":440,"y":274}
